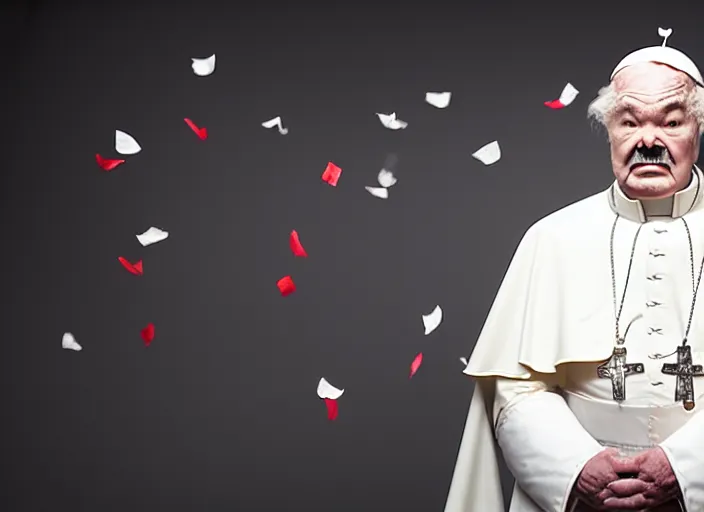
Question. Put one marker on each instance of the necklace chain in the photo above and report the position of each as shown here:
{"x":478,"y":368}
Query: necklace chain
{"x":619,"y":309}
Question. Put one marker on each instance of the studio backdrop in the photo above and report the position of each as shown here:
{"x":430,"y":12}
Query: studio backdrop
{"x":180,"y":368}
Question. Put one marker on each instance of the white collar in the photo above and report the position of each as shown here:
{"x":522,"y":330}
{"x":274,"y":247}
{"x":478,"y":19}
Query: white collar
{"x":675,"y":206}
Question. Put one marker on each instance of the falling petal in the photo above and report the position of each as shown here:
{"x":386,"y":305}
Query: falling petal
{"x":201,"y":132}
{"x":69,"y":342}
{"x":134,"y":268}
{"x":389,"y":121}
{"x":332,"y":408}
{"x":386,"y":178}
{"x":416,"y":364}
{"x":327,"y":390}
{"x":296,"y":246}
{"x":108,"y":164}
{"x":125,"y":144}
{"x":438,"y":99}
{"x":203,"y":67}
{"x":331,"y":174}
{"x":431,"y":321}
{"x":275,"y":122}
{"x":152,"y":236}
{"x":286,"y":286}
{"x":488,"y":154}
{"x":148,"y":334}
{"x":380,"y":192}
{"x":569,"y":93}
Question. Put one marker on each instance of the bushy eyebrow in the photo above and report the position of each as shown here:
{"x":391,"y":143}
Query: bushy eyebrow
{"x":626,"y":108}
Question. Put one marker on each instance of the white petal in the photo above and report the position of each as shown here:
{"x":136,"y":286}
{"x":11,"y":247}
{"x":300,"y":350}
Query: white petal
{"x":431,"y":321}
{"x":275,"y":122}
{"x":152,"y":236}
{"x":69,"y":342}
{"x":204,"y":67}
{"x":488,"y":154}
{"x":386,"y":178}
{"x":380,"y":192}
{"x":464,"y":361}
{"x":125,"y":143}
{"x":664,"y":32}
{"x":326,"y":390}
{"x":390,"y":121}
{"x":438,"y":99}
{"x":569,"y":93}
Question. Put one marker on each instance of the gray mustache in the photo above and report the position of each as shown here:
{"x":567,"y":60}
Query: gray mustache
{"x":655,"y":156}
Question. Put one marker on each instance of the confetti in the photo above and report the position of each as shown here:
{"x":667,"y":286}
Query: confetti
{"x":286,"y":286}
{"x":108,"y":164}
{"x":201,"y":132}
{"x":664,"y":32}
{"x":135,"y":268}
{"x":431,"y":321}
{"x":332,"y":408}
{"x":386,"y":178}
{"x":203,"y":67}
{"x":125,"y":143}
{"x":390,"y":121}
{"x":275,"y":122}
{"x":147,"y":334}
{"x":464,"y":361}
{"x":569,"y":93}
{"x":327,"y":390}
{"x":69,"y":342}
{"x":296,"y":247}
{"x":489,"y":154}
{"x":438,"y":99}
{"x":380,"y":192}
{"x":331,"y":174}
{"x":152,"y":236}
{"x":416,"y":364}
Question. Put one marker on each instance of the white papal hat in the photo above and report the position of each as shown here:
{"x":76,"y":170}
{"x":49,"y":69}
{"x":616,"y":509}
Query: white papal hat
{"x":662,"y":55}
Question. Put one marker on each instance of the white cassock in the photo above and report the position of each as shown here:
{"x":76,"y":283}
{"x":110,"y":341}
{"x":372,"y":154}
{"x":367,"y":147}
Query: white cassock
{"x":537,"y":395}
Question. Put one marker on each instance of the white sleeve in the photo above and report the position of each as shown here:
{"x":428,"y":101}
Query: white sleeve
{"x":544,"y":445}
{"x":685,"y":450}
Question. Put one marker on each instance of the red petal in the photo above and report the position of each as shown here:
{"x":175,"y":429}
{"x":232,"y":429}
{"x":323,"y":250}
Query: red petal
{"x":331,"y":174}
{"x":416,"y":364}
{"x":148,"y":334}
{"x":201,"y":132}
{"x":554,"y":104}
{"x":135,"y":269}
{"x":332,"y":408}
{"x":296,"y":246}
{"x":107,"y":164}
{"x":286,"y":286}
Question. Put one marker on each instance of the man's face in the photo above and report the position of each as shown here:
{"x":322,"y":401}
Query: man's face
{"x":654,"y":139}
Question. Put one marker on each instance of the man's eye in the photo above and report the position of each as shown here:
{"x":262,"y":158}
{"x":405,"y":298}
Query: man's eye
{"x":673,"y":124}
{"x":630,"y":124}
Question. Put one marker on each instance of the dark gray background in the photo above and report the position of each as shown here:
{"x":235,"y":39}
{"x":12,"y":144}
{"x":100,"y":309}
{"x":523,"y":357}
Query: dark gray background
{"x":220,"y":412}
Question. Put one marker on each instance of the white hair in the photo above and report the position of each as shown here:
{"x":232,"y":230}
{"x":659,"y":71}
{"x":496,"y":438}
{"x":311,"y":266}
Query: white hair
{"x":602,"y":106}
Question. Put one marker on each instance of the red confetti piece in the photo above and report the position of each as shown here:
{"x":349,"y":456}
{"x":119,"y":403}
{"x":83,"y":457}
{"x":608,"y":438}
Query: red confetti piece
{"x":416,"y":364}
{"x":332,"y":408}
{"x":286,"y":286}
{"x":296,"y":245}
{"x":147,"y":334}
{"x":108,"y":164}
{"x":201,"y":132}
{"x":555,"y":104}
{"x":331,"y":174}
{"x":135,"y":268}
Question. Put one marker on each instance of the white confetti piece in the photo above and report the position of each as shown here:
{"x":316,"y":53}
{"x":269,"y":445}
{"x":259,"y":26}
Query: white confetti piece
{"x":386,"y":178}
{"x":125,"y":144}
{"x":69,"y":342}
{"x":664,"y":32}
{"x":431,"y":321}
{"x":390,"y":121}
{"x":464,"y":361}
{"x":489,"y":154}
{"x":152,"y":236}
{"x":569,"y":93}
{"x":275,"y":122}
{"x":204,"y":67}
{"x":438,"y":99}
{"x":380,"y":192}
{"x":327,"y":390}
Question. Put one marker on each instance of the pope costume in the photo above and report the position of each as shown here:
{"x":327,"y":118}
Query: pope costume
{"x":546,"y":365}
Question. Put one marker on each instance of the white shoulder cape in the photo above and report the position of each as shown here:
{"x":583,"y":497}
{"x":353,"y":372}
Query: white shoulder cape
{"x":554,"y":306}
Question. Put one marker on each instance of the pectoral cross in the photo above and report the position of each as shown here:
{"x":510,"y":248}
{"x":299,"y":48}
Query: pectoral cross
{"x":617,"y":370}
{"x":685,"y":371}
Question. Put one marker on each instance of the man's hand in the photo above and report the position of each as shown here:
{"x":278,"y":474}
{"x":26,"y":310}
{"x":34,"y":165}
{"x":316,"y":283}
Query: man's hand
{"x":656,"y":484}
{"x":599,"y":472}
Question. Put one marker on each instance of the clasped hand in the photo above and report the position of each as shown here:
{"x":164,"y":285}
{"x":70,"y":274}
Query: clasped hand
{"x":655,"y":483}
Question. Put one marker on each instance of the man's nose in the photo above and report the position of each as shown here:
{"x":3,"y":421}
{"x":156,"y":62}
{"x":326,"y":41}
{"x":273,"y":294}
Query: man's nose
{"x":649,"y":138}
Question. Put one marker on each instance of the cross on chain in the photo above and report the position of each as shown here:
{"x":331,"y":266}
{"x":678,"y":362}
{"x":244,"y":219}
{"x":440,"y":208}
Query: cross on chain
{"x":684,"y":370}
{"x":617,"y":369}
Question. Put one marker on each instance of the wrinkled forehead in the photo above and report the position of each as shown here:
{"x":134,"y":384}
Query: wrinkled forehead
{"x":650,"y":85}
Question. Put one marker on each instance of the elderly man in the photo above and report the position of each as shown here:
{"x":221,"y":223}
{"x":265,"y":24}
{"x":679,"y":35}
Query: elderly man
{"x":588,"y":370}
